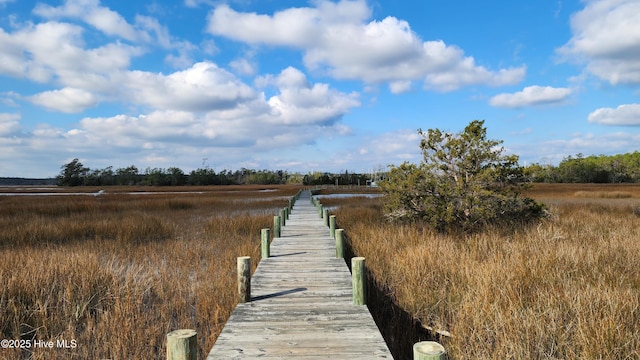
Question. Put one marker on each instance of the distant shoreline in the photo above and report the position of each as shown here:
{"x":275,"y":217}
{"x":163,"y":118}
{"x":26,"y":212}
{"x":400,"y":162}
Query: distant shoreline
{"x":9,"y":181}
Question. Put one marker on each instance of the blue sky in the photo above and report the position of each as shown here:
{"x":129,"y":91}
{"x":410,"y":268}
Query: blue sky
{"x":310,"y":85}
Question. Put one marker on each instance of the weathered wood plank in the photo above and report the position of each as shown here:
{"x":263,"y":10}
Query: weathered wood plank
{"x":301,"y":304}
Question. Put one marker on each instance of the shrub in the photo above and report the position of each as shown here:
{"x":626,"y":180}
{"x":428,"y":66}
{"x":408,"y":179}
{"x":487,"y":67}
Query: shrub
{"x":464,"y":182}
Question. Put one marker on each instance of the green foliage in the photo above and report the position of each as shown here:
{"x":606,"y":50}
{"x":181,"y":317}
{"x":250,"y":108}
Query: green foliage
{"x":464,"y":182}
{"x":591,"y":169}
{"x":76,"y":174}
{"x":72,"y":174}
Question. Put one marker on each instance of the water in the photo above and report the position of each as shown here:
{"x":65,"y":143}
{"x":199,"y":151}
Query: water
{"x":344,"y":196}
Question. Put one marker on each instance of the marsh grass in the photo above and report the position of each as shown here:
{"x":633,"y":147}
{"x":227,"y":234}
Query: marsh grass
{"x":567,"y":288}
{"x":603,"y":194}
{"x":117,"y":272}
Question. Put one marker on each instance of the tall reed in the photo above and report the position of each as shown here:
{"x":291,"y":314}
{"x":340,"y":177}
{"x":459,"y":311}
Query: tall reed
{"x":116,"y":273}
{"x":567,"y":288}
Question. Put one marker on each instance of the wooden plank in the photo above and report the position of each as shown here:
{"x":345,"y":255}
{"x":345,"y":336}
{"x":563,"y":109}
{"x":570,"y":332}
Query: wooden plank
{"x":301,"y":303}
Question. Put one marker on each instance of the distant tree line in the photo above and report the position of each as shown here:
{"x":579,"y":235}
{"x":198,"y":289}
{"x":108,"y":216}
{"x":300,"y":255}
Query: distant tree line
{"x":621,"y":168}
{"x":75,"y":173}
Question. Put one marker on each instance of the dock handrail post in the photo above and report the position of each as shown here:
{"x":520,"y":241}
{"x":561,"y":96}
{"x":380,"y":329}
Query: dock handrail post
{"x":358,"y":281}
{"x":244,"y":279}
{"x":283,"y":216}
{"x":325,"y":216}
{"x":428,"y":350}
{"x":182,"y":344}
{"x":339,"y":244}
{"x":265,"y":236}
{"x":332,"y":226}
{"x":276,"y":226}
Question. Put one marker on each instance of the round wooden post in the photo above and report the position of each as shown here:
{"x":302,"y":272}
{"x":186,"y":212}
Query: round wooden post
{"x":276,"y":226}
{"x":428,"y":350}
{"x":339,"y":244}
{"x":265,"y":236}
{"x":325,"y":216}
{"x":283,"y":216}
{"x":182,"y":345}
{"x":332,"y":226}
{"x":358,"y":281}
{"x":244,"y":279}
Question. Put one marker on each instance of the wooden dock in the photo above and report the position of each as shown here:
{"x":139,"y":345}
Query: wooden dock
{"x":301,"y":302}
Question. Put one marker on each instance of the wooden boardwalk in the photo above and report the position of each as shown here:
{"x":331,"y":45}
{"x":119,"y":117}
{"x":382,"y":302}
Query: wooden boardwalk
{"x":301,"y":304}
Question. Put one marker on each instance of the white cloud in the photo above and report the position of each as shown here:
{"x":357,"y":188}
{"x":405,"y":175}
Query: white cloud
{"x":300,"y":113}
{"x":144,"y":30}
{"x":606,"y":36}
{"x":399,"y":87}
{"x":68,"y":100}
{"x":202,"y":87}
{"x":531,"y":96}
{"x":243,"y":67}
{"x":554,"y":150}
{"x":55,"y":51}
{"x":390,"y":148}
{"x":302,"y":103}
{"x":90,"y":11}
{"x":9,"y":124}
{"x":628,"y":114}
{"x":336,"y":38}
{"x":196,"y":3}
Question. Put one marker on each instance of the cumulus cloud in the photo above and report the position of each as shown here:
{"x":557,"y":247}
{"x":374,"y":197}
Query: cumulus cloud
{"x":339,"y":38}
{"x":102,"y":18}
{"x":243,"y":67}
{"x":55,"y":51}
{"x":399,"y":87}
{"x":196,"y":3}
{"x":144,"y":29}
{"x":392,"y":147}
{"x":68,"y":100}
{"x":628,"y":114}
{"x":9,"y":124}
{"x":302,"y":103}
{"x":206,"y":106}
{"x":202,"y":87}
{"x":531,"y":96}
{"x":553,"y":150}
{"x":606,"y":36}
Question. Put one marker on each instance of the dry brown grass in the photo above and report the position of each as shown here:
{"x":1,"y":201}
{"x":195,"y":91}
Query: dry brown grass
{"x":568,"y":288}
{"x":116,"y":273}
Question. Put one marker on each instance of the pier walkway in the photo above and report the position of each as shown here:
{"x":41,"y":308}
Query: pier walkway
{"x":301,"y":302}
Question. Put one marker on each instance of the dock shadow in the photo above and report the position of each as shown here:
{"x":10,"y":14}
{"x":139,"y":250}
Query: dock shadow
{"x":398,"y":328}
{"x":277,"y":294}
{"x":290,"y":254}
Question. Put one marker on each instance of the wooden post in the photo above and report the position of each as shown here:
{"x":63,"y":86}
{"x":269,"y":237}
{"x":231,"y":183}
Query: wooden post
{"x":182,"y":345}
{"x":332,"y":226}
{"x":339,"y":244}
{"x":325,"y":216}
{"x":428,"y":350}
{"x":265,"y":236}
{"x":283,"y":216}
{"x":244,"y":279}
{"x":358,"y":281}
{"x":276,"y":226}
